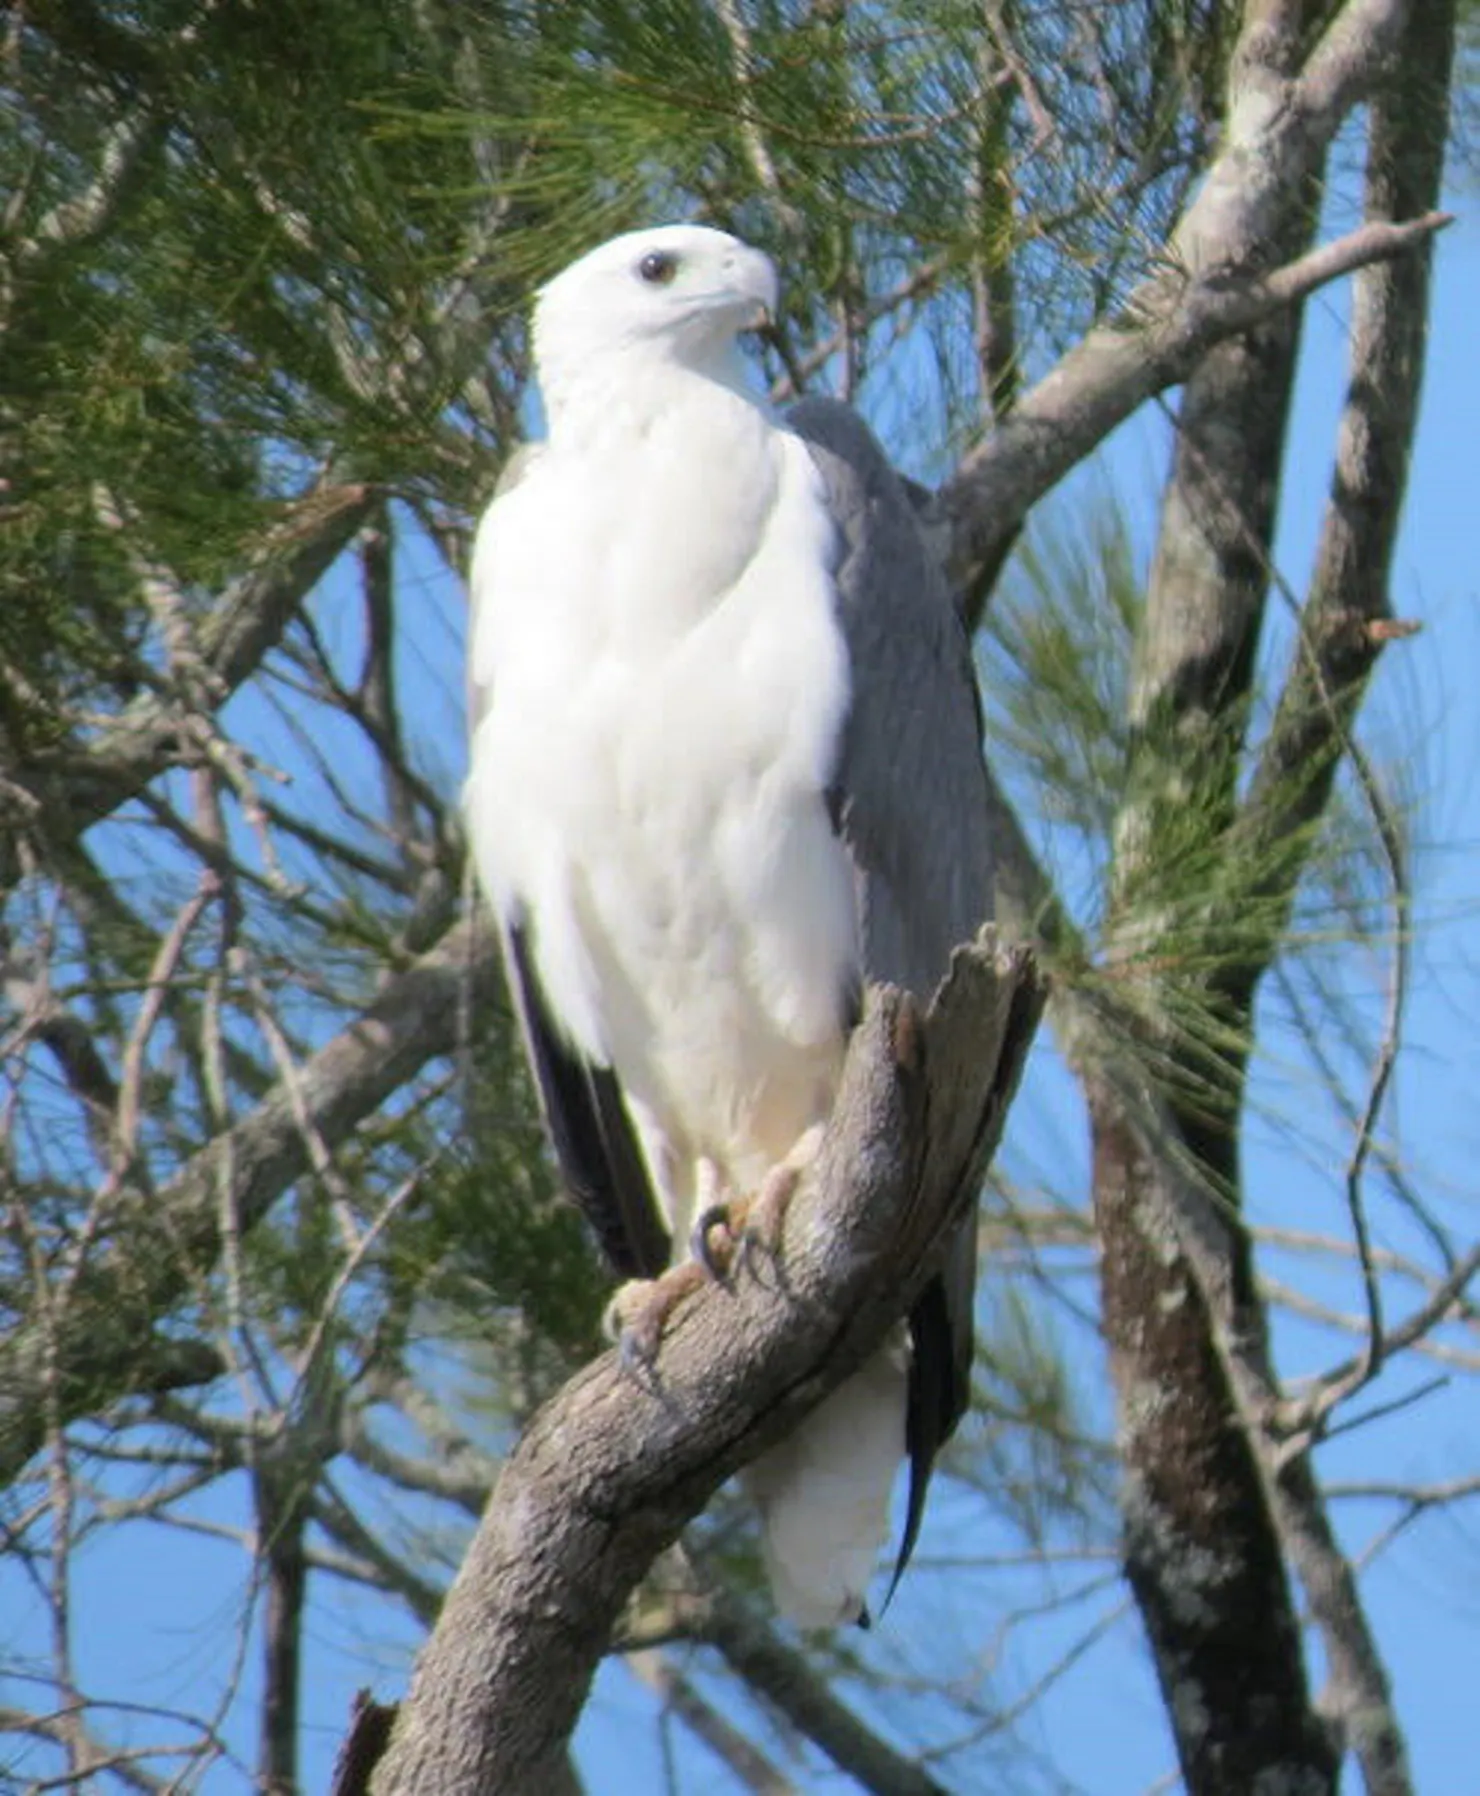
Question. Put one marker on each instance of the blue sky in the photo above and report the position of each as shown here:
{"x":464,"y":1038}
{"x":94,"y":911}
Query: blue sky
{"x":159,"y":1611}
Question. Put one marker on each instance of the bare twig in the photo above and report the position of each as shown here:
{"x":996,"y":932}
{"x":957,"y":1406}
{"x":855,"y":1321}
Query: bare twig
{"x":803,"y":1696}
{"x":116,"y":1301}
{"x":757,"y":150}
{"x":677,"y":1693}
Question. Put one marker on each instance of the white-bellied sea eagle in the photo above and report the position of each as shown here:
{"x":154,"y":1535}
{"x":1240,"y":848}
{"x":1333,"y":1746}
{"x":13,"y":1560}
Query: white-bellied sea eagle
{"x":726,"y":767}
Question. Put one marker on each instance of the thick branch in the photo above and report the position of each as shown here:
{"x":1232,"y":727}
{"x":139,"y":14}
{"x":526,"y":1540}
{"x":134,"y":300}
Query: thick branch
{"x":1209,"y":1504}
{"x":281,"y":1524}
{"x":1337,"y":652}
{"x":1358,"y":1705}
{"x":1202,"y":1551}
{"x":1339,"y":644}
{"x":1202,"y":1554}
{"x":1169,"y":325}
{"x":610,"y":1471}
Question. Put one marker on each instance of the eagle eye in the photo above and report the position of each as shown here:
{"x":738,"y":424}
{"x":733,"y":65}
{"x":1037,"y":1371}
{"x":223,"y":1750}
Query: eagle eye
{"x":658,"y":267}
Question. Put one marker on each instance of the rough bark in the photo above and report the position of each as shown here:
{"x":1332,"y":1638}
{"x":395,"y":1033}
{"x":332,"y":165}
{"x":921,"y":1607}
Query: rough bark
{"x":608,"y":1472}
{"x":363,"y":1747}
{"x":1341,"y":638}
{"x":1202,"y":1551}
{"x":1342,"y":634}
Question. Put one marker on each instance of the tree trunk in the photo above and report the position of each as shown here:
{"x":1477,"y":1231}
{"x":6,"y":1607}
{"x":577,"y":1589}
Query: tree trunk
{"x":1202,"y":888}
{"x":1201,"y":1550}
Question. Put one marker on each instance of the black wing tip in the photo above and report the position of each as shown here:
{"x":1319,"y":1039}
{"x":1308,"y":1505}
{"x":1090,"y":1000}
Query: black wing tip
{"x":937,"y":1401}
{"x":589,"y":1128}
{"x":921,"y":1466}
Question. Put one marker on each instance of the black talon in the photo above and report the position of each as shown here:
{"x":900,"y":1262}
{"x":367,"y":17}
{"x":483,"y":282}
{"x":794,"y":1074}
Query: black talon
{"x":747,"y":1250}
{"x":716,"y":1216}
{"x":635,"y":1353}
{"x":636,"y":1342}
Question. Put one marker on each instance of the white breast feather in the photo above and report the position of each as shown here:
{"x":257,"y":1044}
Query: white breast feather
{"x":669,"y":687}
{"x":648,"y":781}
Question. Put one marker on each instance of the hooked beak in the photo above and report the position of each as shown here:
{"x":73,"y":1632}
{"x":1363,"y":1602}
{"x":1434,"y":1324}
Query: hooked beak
{"x":755,"y":280}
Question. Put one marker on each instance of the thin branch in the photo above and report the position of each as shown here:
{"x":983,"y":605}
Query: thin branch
{"x":340,"y":1522}
{"x":73,"y":223}
{"x":1300,"y":1303}
{"x":1418,"y":1496}
{"x":166,"y":962}
{"x":744,"y":1760}
{"x":801,"y":1694}
{"x":1383,"y":1067}
{"x":81,"y":781}
{"x":61,"y":1725}
{"x":175,"y":1233}
{"x":757,"y":151}
{"x":1297,"y":1423}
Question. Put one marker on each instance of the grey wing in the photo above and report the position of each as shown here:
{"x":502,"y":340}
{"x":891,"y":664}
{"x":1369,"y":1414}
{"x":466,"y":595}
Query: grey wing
{"x":591,"y":1133}
{"x":910,"y":802}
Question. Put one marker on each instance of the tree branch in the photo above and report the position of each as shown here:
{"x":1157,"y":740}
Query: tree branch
{"x":282,"y":1521}
{"x":1168,"y":326}
{"x":609,"y":1472}
{"x":73,"y":223}
{"x":1292,"y":784}
{"x":75,"y":785}
{"x":747,"y":1763}
{"x":1202,"y":1551}
{"x":1339,"y":641}
{"x":794,"y":1688}
{"x":1215,"y":280}
{"x":88,"y":1352}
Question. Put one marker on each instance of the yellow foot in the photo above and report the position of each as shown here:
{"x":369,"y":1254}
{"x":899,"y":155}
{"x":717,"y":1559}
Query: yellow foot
{"x":638,"y":1312}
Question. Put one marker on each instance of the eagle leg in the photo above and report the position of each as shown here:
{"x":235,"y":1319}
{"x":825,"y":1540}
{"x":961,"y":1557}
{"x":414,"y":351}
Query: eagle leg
{"x":638,"y":1312}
